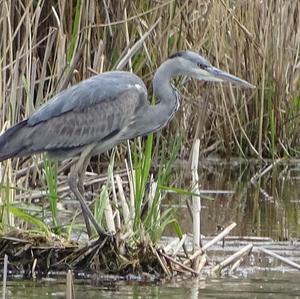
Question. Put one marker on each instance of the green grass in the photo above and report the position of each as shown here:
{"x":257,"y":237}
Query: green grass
{"x":21,"y":214}
{"x":150,"y":216}
{"x":75,"y":32}
{"x":5,"y":200}
{"x":50,"y":177}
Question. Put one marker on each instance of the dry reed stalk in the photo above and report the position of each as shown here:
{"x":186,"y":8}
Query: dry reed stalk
{"x":108,"y":212}
{"x":181,"y":265}
{"x":179,"y":245}
{"x":231,"y":259}
{"x":196,"y":208}
{"x":115,"y":203}
{"x":264,"y":171}
{"x":235,"y":265}
{"x":63,"y":186}
{"x":202,"y":263}
{"x":127,"y":35}
{"x":124,"y":206}
{"x":135,"y":47}
{"x":131,"y":181}
{"x":70,"y":292}
{"x":169,"y":247}
{"x":4,"y":280}
{"x":33,"y":274}
{"x":152,"y":191}
{"x":216,"y":239}
{"x":279,"y":257}
{"x":161,"y":261}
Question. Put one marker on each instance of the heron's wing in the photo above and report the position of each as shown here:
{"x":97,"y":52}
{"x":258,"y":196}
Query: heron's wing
{"x":101,"y":88}
{"x":95,"y":123}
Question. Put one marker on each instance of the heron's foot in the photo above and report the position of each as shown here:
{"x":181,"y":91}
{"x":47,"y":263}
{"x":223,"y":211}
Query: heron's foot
{"x":104,"y":235}
{"x":106,"y":238}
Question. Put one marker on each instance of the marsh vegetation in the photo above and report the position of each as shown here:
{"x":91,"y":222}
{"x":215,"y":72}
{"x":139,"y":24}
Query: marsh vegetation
{"x":47,"y":46}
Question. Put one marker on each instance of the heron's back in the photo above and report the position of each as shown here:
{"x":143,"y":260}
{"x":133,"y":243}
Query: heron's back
{"x":94,"y":111}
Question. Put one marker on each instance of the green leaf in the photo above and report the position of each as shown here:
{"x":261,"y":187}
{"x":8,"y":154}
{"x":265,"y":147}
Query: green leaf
{"x":75,"y":32}
{"x":180,"y":191}
{"x":17,"y":212}
{"x":50,"y":171}
{"x":100,"y":204}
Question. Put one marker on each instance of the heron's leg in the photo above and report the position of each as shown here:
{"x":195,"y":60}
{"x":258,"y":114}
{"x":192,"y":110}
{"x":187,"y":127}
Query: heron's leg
{"x":81,"y":174}
{"x":80,"y":182}
{"x":74,"y":182}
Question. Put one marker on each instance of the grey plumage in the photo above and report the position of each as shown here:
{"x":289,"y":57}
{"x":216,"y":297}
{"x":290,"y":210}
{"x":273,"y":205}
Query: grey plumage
{"x":98,"y":113}
{"x":86,"y":113}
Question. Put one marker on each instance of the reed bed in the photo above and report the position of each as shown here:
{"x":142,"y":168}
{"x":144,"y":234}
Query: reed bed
{"x":48,"y":45}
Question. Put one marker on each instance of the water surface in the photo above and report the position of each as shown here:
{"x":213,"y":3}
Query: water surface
{"x":258,"y":285}
{"x":262,"y":204}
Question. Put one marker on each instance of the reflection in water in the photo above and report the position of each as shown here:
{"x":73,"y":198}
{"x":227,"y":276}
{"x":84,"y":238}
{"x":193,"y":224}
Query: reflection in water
{"x":266,"y":205}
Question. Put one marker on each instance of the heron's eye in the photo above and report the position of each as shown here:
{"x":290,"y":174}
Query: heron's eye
{"x":201,"y":65}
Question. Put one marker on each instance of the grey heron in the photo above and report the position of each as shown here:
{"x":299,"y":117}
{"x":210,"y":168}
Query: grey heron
{"x":100,"y":112}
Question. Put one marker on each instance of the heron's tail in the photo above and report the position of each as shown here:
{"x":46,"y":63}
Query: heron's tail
{"x":15,"y":142}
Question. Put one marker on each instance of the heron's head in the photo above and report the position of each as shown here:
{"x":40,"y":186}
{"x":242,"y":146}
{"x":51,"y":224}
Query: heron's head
{"x":197,"y":67}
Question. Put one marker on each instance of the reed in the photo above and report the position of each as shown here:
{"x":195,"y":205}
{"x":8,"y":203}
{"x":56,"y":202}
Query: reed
{"x":4,"y":281}
{"x":47,"y":45}
{"x":41,"y":42}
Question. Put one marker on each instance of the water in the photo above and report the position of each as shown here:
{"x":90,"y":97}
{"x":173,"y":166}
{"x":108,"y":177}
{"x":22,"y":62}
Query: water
{"x":268,"y":206}
{"x":261,"y":285}
{"x":264,"y":206}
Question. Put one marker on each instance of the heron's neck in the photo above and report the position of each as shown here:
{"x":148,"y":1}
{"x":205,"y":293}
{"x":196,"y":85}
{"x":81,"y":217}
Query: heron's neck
{"x":162,"y":89}
{"x":155,"y":117}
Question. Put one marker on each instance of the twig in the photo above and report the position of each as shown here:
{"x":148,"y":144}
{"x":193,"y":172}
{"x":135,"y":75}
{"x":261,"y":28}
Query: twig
{"x":33,"y":269}
{"x":248,"y":238}
{"x":281,"y":258}
{"x":232,"y":258}
{"x":25,"y":170}
{"x":162,"y":263}
{"x":125,"y":209}
{"x":179,"y":245}
{"x":267,"y":169}
{"x":219,"y":237}
{"x":72,"y":67}
{"x":135,"y":47}
{"x":170,"y":247}
{"x":115,"y":203}
{"x":41,"y":193}
{"x":131,"y":181}
{"x":70,"y":293}
{"x":235,"y":265}
{"x":196,"y":209}
{"x":202,"y":263}
{"x":179,"y":264}
{"x":107,"y":18}
{"x":108,"y":213}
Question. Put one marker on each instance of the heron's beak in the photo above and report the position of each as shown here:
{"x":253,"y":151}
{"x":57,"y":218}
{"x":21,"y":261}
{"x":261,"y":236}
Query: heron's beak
{"x":215,"y":74}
